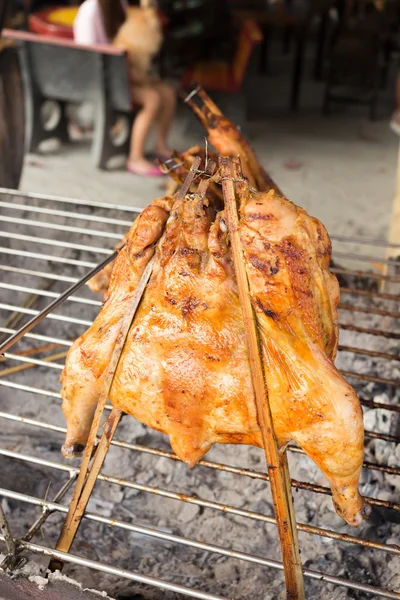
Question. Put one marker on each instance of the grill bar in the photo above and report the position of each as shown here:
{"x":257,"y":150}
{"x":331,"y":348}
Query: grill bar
{"x":365,"y":258}
{"x":156,"y":533}
{"x":49,"y":242}
{"x":57,"y":227}
{"x":372,"y":378}
{"x":378,"y":332}
{"x":365,"y":274}
{"x":5,"y":383}
{"x":370,"y":311}
{"x":367,"y":241}
{"x":64,"y":213}
{"x":372,"y":353}
{"x":172,"y":456}
{"x":36,"y":336}
{"x":193,"y":593}
{"x":30,"y":311}
{"x":66,"y":200}
{"x":319,"y":489}
{"x":67,"y":227}
{"x":48,"y":257}
{"x":131,"y":575}
{"x":345,"y":373}
{"x":40,"y":274}
{"x":369,"y":294}
{"x":44,"y":293}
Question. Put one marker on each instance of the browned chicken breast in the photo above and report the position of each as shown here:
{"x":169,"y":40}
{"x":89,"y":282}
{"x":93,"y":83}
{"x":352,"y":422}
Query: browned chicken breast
{"x":184,"y":369}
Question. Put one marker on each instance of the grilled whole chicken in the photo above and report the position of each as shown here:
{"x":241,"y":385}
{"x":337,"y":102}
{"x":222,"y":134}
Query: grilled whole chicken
{"x":184,"y":369}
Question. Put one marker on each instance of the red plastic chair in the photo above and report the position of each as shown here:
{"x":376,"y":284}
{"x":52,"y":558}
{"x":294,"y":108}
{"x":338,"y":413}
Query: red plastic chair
{"x":222,"y":76}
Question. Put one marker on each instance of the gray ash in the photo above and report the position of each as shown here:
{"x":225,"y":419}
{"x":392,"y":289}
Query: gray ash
{"x":196,"y":568}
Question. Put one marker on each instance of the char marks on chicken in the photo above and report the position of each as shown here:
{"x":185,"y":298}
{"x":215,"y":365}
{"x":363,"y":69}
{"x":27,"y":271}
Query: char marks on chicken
{"x":184,"y":369}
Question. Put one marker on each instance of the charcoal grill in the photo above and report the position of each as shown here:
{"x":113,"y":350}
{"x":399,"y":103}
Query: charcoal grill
{"x":48,"y":243}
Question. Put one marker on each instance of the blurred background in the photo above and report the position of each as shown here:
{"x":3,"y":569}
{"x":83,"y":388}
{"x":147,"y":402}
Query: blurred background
{"x":310,"y":82}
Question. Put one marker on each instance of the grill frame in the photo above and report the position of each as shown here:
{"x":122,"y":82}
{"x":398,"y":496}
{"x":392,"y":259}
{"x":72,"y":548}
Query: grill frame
{"x":26,"y":202}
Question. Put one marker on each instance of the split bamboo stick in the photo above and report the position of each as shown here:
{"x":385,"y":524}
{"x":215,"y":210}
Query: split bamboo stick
{"x":90,"y":468}
{"x":278,"y":470}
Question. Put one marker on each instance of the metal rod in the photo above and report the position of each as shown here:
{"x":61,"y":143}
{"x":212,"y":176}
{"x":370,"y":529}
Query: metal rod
{"x":48,"y":257}
{"x":57,"y":227}
{"x":365,"y":258}
{"x":378,"y":332}
{"x":373,"y":353}
{"x":66,"y":213}
{"x":371,"y":434}
{"x":29,"y":364}
{"x":170,"y":455}
{"x":53,"y":305}
{"x":133,"y":576}
{"x":21,"y":288}
{"x":370,"y":311}
{"x":42,"y":274}
{"x":364,"y":377}
{"x":360,"y":240}
{"x":56,"y":243}
{"x":365,"y":274}
{"x":78,"y":202}
{"x":276,"y":461}
{"x":28,"y":311}
{"x":369,"y":294}
{"x":30,"y":389}
{"x":155,"y":533}
{"x":379,"y":405}
{"x":303,"y":485}
{"x":36,"y":336}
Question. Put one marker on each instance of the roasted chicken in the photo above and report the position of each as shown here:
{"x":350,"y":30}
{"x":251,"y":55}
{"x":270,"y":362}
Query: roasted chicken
{"x":184,"y":368}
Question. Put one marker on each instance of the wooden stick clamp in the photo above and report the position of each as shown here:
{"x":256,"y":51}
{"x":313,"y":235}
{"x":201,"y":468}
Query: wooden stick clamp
{"x":234,"y":187}
{"x":90,"y":468}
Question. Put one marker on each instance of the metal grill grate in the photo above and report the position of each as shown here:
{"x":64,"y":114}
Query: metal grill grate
{"x":46,"y":244}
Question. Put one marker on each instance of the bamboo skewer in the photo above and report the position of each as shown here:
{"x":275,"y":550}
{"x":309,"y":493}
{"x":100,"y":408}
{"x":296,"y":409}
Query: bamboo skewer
{"x":277,"y":461}
{"x":88,"y":472}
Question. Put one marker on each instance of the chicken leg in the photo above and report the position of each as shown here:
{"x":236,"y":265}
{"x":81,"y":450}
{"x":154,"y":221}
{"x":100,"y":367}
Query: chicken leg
{"x":295,"y":297}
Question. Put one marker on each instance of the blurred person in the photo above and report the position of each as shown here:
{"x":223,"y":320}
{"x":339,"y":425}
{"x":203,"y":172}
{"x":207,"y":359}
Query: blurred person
{"x":138,"y":31}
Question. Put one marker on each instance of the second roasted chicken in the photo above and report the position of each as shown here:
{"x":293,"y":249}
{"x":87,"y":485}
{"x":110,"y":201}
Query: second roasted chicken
{"x":184,"y":369}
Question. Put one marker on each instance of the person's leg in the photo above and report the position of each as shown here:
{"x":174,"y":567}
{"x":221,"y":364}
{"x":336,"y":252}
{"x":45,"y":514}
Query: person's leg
{"x":150,"y":100}
{"x":165,"y":116}
{"x":395,"y":121}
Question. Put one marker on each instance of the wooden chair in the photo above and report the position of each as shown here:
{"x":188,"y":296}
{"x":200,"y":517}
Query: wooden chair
{"x":221,"y":76}
{"x":59,"y":70}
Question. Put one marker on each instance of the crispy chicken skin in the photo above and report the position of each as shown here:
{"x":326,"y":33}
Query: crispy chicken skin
{"x":295,"y":297}
{"x":184,"y":369}
{"x":88,"y":357}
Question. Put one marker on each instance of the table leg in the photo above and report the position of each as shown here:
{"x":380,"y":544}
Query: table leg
{"x":319,"y":53}
{"x":263,"y":64}
{"x":297,"y":70}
